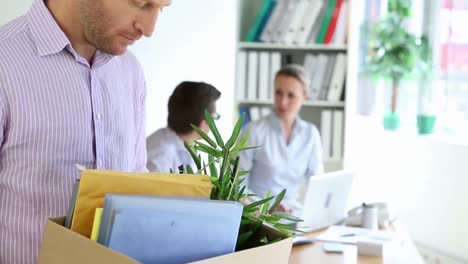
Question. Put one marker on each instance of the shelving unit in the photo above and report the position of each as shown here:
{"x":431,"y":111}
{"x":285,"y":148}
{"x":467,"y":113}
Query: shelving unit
{"x":312,"y":110}
{"x":274,"y":46}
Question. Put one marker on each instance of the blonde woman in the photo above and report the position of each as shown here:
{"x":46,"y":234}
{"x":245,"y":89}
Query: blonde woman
{"x":290,"y":148}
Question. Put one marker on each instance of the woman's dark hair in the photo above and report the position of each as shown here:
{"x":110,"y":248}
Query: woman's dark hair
{"x":187,"y":105}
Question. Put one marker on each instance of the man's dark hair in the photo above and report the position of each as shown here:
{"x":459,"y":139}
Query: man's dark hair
{"x":187,"y":105}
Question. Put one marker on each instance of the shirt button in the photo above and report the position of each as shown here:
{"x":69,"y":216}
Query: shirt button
{"x":98,"y":116}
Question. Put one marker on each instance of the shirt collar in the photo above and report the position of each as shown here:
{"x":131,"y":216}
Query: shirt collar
{"x":48,"y":36}
{"x":275,"y":122}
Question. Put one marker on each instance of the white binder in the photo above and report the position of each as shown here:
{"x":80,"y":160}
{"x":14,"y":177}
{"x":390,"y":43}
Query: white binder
{"x":264,"y":75}
{"x":241,"y":73}
{"x":337,"y":141}
{"x":338,"y":78}
{"x":308,"y":21}
{"x":252,"y":80}
{"x":275,"y":67}
{"x":326,"y":133}
{"x":295,"y":23}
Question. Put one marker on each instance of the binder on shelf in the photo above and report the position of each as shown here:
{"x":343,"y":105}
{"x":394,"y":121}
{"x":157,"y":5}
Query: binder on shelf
{"x":252,"y":76}
{"x":241,"y":74}
{"x":326,"y":133}
{"x":310,"y":64}
{"x":255,"y":113}
{"x":273,"y":20}
{"x":295,"y":23}
{"x":327,"y":78}
{"x":264,"y":75}
{"x":339,"y":38}
{"x":312,"y":36}
{"x":261,"y":20}
{"x":274,"y":68}
{"x":338,"y":79}
{"x":308,"y":21}
{"x":333,"y":21}
{"x":317,"y":81}
{"x":285,"y":20}
{"x":337,"y":140}
{"x":326,"y":22}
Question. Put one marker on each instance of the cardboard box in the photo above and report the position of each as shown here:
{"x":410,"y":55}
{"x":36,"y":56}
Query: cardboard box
{"x":61,"y":245}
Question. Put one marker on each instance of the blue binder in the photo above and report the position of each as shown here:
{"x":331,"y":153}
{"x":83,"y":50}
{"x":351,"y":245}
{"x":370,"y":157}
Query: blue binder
{"x":156,"y":229}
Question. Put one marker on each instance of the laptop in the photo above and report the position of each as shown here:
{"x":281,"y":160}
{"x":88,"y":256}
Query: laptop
{"x":325,"y":200}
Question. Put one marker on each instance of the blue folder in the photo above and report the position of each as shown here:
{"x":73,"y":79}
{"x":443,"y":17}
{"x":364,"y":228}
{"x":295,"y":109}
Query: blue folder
{"x":156,"y":229}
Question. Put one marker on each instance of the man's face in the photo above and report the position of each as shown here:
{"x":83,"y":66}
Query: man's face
{"x":112,"y":25}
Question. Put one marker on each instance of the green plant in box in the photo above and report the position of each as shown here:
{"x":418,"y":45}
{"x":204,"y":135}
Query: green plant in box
{"x":224,"y":170}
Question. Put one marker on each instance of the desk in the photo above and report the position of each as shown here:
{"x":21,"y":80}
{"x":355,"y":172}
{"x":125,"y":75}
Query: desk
{"x":313,"y":253}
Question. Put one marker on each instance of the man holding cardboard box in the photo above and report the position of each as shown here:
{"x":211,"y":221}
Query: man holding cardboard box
{"x":70,"y":93}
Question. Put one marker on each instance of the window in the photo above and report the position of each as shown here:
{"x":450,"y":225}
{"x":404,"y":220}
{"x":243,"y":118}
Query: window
{"x":451,"y":58}
{"x":446,"y":93}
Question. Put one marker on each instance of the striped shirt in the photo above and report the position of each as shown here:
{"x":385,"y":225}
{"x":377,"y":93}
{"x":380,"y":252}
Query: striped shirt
{"x":57,"y":110}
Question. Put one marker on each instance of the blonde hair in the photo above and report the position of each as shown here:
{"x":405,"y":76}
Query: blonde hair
{"x":297,"y":72}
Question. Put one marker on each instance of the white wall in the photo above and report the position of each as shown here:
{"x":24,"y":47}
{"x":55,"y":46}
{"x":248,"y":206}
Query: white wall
{"x":12,"y":9}
{"x":193,"y":40}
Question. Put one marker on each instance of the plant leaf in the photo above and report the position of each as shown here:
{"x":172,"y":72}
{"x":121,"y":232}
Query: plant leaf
{"x":204,"y":167}
{"x":204,"y":136}
{"x":257,"y":203}
{"x":278,"y":199}
{"x":287,"y":216}
{"x":243,"y":237}
{"x":213,"y":128}
{"x":189,"y":169}
{"x":207,"y":149}
{"x":235,"y":132}
{"x":265,"y":205}
{"x":195,"y":158}
{"x":212,"y":165}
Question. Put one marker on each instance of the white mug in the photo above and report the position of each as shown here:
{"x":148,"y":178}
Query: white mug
{"x":370,"y":216}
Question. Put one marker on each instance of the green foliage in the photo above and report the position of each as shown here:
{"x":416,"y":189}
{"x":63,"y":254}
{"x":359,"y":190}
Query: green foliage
{"x":224,"y":171}
{"x":395,"y":52}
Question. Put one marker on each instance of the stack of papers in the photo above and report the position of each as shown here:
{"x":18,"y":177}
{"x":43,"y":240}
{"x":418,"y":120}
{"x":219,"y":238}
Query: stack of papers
{"x":95,"y":184}
{"x":353,"y":235}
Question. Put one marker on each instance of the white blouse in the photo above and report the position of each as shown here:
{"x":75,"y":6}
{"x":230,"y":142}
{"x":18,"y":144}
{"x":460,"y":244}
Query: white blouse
{"x":276,"y":165}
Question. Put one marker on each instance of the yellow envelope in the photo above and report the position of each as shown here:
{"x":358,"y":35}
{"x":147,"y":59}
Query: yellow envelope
{"x":95,"y":184}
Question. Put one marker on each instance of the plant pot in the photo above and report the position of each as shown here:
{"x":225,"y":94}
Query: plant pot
{"x":426,"y":124}
{"x":391,"y":121}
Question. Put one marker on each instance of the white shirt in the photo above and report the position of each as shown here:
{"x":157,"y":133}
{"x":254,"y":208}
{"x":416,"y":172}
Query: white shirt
{"x":275,"y":165}
{"x":166,"y":151}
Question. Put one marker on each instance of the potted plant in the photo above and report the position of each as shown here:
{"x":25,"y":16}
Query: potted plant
{"x":224,"y":170}
{"x":426,"y":117}
{"x":395,"y":53}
